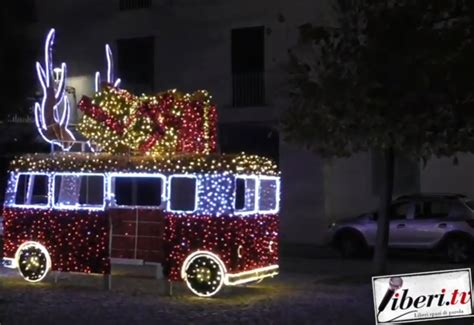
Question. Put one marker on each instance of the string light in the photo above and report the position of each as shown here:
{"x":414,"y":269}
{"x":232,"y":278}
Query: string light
{"x":77,"y":241}
{"x":250,"y":194}
{"x":170,"y":138}
{"x":33,"y":261}
{"x":51,"y":125}
{"x":254,"y":237}
{"x":110,"y":71}
{"x":169,"y":122}
{"x":213,"y":194}
{"x":195,"y":190}
{"x":178,"y":164}
{"x":204,"y":273}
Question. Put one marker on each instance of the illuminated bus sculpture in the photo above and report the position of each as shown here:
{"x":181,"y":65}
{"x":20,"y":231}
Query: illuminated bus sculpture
{"x":153,"y":190}
{"x":211,"y":220}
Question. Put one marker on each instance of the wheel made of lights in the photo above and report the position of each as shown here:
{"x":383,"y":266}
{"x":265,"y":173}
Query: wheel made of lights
{"x":33,"y":261}
{"x":204,"y":273}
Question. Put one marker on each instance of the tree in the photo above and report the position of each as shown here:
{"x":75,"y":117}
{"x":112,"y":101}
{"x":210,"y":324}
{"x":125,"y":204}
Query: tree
{"x":391,"y":76}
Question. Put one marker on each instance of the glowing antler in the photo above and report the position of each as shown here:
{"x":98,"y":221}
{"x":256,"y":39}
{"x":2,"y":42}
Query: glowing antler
{"x":51,"y":121}
{"x":110,"y":70}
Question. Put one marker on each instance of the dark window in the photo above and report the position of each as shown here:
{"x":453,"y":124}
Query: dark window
{"x":251,"y":139}
{"x":436,"y":209}
{"x":32,"y":189}
{"x":239,"y":194}
{"x":400,"y":210}
{"x":134,"y":4}
{"x":21,"y":189}
{"x":182,"y":193}
{"x":419,"y":211}
{"x":245,"y":194}
{"x":268,"y":195}
{"x":92,"y":190}
{"x":73,"y":190}
{"x":248,"y":86}
{"x":470,"y":204}
{"x":139,"y":191}
{"x":136,"y":64}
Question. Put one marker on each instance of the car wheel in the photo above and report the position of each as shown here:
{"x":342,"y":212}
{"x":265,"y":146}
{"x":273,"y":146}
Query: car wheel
{"x":350,"y":245}
{"x":458,"y":250}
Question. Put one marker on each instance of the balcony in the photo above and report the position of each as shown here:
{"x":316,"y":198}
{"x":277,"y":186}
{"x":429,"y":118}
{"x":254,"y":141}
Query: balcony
{"x":248,"y":89}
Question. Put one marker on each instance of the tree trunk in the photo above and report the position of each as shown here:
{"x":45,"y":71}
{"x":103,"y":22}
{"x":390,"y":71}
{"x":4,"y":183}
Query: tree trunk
{"x":383,"y":220}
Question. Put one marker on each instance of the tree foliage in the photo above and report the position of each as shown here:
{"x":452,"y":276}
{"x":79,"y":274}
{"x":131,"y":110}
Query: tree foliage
{"x":393,"y":76}
{"x":396,"y":74}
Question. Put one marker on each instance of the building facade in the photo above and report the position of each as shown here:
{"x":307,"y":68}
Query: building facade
{"x":238,"y":51}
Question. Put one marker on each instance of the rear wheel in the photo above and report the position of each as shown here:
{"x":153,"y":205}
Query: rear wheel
{"x":33,"y":261}
{"x":203,"y":273}
{"x":350,"y":244}
{"x":458,"y":250}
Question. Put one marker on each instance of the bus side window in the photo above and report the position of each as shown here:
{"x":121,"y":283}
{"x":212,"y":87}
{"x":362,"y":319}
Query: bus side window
{"x":21,"y":189}
{"x":92,"y":191}
{"x":182,"y":190}
{"x":245,"y":194}
{"x":137,"y":191}
{"x":239,"y":193}
{"x":268,"y":196}
{"x":32,"y":189}
{"x":79,"y":191}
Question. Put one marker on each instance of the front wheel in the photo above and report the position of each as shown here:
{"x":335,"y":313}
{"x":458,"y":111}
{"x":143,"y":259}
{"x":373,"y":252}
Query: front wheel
{"x":33,"y":261}
{"x":458,"y":250}
{"x":349,"y":244}
{"x":203,"y":273}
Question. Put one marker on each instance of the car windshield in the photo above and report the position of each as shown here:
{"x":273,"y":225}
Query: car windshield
{"x":470,"y":204}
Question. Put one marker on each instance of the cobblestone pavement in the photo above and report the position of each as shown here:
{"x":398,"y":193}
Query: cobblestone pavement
{"x":316,"y":291}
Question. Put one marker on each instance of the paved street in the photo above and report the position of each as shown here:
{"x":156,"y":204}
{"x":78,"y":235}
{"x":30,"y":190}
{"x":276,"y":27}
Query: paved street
{"x":309,"y":291}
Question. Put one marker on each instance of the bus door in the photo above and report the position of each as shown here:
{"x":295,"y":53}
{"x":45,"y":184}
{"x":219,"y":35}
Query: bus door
{"x":137,"y":217}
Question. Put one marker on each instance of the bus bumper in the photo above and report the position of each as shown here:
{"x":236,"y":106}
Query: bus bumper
{"x":9,"y":263}
{"x":252,"y":275}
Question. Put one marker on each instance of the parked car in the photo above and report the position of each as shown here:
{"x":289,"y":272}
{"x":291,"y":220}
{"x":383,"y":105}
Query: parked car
{"x":420,"y":221}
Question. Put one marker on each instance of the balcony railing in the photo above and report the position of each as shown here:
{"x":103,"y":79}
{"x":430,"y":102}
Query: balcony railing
{"x":248,"y":89}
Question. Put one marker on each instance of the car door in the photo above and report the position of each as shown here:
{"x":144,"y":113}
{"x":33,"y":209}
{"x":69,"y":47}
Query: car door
{"x":400,"y":212}
{"x":428,"y":225}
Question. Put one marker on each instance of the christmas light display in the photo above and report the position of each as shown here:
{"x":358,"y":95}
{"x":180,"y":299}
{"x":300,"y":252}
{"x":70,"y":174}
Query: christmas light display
{"x":179,"y":164}
{"x":204,"y":273}
{"x":254,"y":238}
{"x":170,"y":122}
{"x":110,"y":71}
{"x":194,"y":190}
{"x":33,"y":261}
{"x":52,"y":120}
{"x":246,"y":243}
{"x":250,"y":194}
{"x":153,"y":190}
{"x":214,"y":193}
{"x":76,"y":241}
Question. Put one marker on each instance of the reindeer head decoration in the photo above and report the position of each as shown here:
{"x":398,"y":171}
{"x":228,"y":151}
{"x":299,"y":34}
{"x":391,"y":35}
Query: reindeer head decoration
{"x":52,"y":114}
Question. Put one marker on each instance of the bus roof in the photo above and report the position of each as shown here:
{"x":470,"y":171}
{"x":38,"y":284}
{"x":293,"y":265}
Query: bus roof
{"x":103,"y":162}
